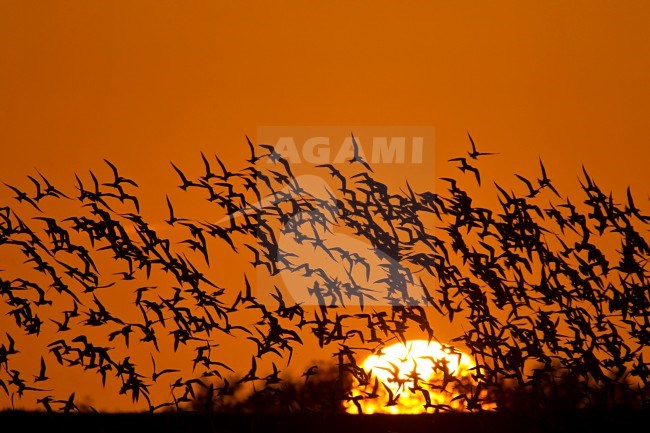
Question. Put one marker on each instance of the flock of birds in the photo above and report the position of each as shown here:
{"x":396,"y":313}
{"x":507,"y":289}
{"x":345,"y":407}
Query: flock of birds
{"x":535,"y":288}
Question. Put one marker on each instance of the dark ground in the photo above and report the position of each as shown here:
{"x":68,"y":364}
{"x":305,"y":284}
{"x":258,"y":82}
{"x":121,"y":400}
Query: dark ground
{"x":314,"y":423}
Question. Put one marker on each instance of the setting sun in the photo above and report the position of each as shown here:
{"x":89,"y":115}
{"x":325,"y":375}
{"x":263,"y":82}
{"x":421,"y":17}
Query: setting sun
{"x":412,"y":378}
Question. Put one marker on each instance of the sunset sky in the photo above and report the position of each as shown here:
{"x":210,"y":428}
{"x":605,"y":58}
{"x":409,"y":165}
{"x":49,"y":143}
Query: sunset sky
{"x":143,"y":83}
{"x":147,"y":82}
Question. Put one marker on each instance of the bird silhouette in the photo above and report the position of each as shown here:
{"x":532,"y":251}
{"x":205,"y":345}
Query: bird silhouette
{"x":41,"y":375}
{"x":356,"y":157}
{"x":474,"y":154}
{"x":464,"y":166}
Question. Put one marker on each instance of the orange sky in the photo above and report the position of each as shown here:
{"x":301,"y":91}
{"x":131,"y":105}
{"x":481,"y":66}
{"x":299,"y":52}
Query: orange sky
{"x":145,"y":82}
{"x":142,"y":83}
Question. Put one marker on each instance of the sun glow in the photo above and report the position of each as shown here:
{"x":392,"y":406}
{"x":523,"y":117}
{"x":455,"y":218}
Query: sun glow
{"x":413,"y":378}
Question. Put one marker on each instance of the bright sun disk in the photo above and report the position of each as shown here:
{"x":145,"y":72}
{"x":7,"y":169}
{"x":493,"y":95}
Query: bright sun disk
{"x":412,"y":372}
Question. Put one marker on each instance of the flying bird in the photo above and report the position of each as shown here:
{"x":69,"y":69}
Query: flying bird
{"x":464,"y":166}
{"x":474,"y":154}
{"x":357,"y":155}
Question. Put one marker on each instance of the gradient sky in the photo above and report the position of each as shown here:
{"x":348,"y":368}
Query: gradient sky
{"x":145,"y":82}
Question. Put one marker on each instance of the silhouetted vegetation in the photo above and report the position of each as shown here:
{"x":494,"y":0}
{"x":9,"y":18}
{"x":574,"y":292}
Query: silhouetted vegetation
{"x":322,"y":393}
